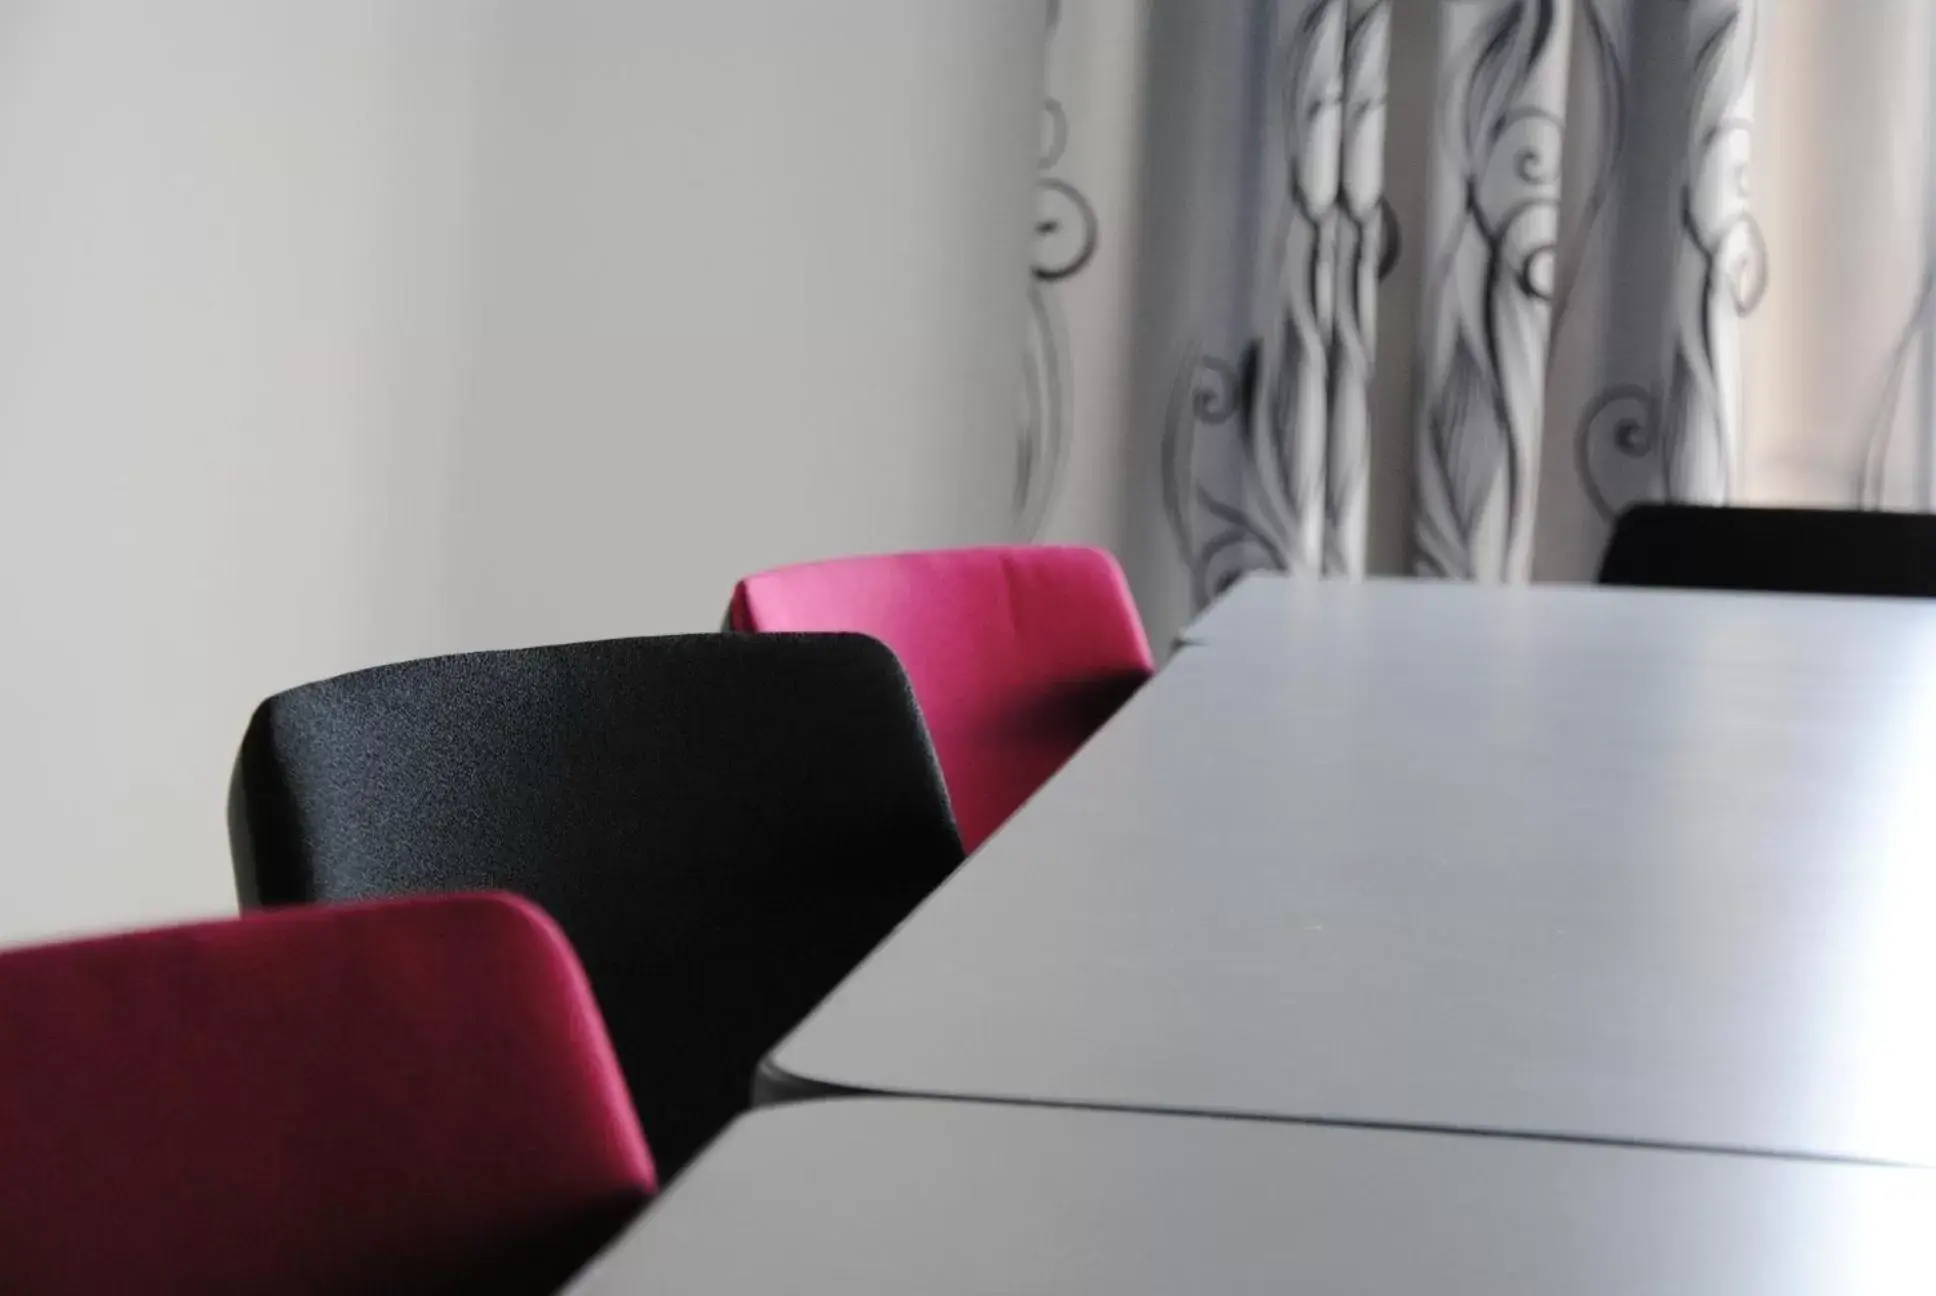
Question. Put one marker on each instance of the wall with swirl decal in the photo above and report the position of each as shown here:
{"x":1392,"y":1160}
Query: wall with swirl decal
{"x":338,"y":332}
{"x":1439,"y":288}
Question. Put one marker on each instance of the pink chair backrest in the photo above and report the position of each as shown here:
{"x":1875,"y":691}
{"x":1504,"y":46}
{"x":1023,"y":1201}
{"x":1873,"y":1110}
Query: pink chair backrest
{"x":1017,"y":654}
{"x":408,"y":1096}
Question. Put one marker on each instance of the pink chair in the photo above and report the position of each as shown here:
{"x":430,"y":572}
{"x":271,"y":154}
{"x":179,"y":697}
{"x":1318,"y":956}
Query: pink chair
{"x":410,"y":1096}
{"x":1017,"y":654}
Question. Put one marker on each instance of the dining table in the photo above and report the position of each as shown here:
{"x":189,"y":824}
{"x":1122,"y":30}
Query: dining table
{"x":1623,"y":867}
{"x":1396,"y":937}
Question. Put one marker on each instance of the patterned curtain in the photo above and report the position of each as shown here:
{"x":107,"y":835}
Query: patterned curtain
{"x":1440,"y":287}
{"x":1268,"y":441}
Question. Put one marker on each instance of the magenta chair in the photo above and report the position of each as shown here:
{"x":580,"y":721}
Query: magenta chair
{"x":1017,"y":654}
{"x":409,"y":1096}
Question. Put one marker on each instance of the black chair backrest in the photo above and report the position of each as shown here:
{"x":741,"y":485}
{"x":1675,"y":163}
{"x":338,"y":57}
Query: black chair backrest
{"x":722,"y":824}
{"x":1797,"y":551}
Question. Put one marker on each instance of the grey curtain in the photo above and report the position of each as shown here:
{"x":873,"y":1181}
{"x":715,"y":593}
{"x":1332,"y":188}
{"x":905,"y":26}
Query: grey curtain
{"x":1439,"y":286}
{"x":1266,"y":442}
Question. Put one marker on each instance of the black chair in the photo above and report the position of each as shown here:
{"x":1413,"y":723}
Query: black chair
{"x":722,"y":824}
{"x":1796,"y":551}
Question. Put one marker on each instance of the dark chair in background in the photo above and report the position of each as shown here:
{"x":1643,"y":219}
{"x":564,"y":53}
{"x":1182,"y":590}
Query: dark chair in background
{"x":413,"y":1096}
{"x":1796,"y":551}
{"x":1018,"y":653}
{"x":722,"y":824}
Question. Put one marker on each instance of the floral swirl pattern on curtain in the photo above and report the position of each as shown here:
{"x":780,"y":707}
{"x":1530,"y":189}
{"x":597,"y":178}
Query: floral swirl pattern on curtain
{"x":1671,"y":429}
{"x":1266,"y":443}
{"x":1494,"y":228}
{"x":1654,"y":250}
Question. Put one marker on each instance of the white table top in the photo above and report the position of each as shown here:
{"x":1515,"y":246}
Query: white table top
{"x":885,"y":1198}
{"x":1630,"y":866}
{"x":1249,"y":610}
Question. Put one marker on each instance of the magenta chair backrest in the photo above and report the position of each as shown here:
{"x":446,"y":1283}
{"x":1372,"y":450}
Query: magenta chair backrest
{"x":405,"y":1096}
{"x":1017,"y":654}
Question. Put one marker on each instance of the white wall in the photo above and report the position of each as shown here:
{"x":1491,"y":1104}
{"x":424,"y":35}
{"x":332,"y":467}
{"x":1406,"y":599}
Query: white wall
{"x":339,"y":332}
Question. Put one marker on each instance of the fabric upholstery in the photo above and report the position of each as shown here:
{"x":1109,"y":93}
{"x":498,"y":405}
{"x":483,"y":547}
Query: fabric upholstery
{"x":405,"y":1097}
{"x":1801,"y":551}
{"x":1017,"y":654}
{"x":722,"y":825}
